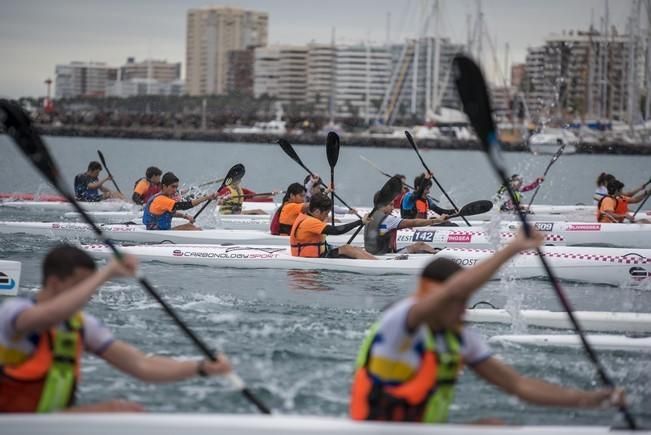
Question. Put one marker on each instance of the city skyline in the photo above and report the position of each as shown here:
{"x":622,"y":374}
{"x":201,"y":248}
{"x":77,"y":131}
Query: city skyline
{"x":157,"y":29}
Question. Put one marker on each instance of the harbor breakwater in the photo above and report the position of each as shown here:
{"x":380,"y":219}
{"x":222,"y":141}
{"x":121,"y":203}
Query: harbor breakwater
{"x":362,"y":140}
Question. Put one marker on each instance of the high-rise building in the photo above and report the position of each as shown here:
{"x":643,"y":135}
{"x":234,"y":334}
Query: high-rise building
{"x":83,"y":79}
{"x":211,"y":34}
{"x":240,"y":71}
{"x":159,"y":70}
{"x":518,"y":71}
{"x":281,"y":71}
{"x":582,"y":74}
{"x":321,"y":76}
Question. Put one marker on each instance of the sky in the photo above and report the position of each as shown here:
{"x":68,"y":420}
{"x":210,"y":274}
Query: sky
{"x":36,"y":35}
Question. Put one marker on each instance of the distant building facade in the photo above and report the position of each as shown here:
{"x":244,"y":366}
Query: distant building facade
{"x":281,"y":71}
{"x":211,"y":34}
{"x":240,"y":71}
{"x":159,"y":70}
{"x":83,"y":79}
{"x":138,"y":87}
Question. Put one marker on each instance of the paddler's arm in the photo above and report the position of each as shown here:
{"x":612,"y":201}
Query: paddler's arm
{"x":335,"y":230}
{"x":43,"y":315}
{"x":438,"y":210}
{"x":460,"y":286}
{"x":414,"y":223}
{"x":153,"y":368}
{"x":540,"y":392}
{"x":186,"y":205}
{"x":98,"y":184}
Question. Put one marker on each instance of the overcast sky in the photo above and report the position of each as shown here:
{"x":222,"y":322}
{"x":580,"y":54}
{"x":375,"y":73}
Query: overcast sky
{"x":37,"y":35}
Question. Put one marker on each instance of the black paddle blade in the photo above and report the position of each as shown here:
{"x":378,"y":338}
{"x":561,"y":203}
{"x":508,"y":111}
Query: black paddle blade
{"x":389,"y":191}
{"x":476,"y":207}
{"x":19,"y":127}
{"x":236,"y":173}
{"x":332,"y":148}
{"x":289,"y":150}
{"x":471,"y":87}
{"x":101,"y":158}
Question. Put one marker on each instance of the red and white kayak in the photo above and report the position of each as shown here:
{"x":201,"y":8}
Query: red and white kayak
{"x":63,"y":206}
{"x":599,"y":342}
{"x":243,"y":424}
{"x":612,"y":266}
{"x":14,"y":196}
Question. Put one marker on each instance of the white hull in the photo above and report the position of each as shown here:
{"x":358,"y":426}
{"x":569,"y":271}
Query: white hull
{"x":9,"y":277}
{"x":254,"y":424}
{"x":599,"y":342}
{"x":62,"y":206}
{"x":602,"y":321}
{"x":596,"y":265}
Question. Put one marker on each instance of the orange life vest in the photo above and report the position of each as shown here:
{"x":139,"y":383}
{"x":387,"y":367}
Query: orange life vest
{"x":40,"y":383}
{"x":312,"y":246}
{"x":621,"y":208}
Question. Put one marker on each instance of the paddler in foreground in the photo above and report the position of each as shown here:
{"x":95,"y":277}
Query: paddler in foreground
{"x":162,"y":207}
{"x":308,"y":234}
{"x":89,"y":188}
{"x":43,"y":339}
{"x":381,"y":232}
{"x":412,"y":357}
{"x":147,"y":186}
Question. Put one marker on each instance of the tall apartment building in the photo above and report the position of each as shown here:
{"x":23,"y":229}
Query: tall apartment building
{"x":518,"y":72}
{"x":159,"y":70}
{"x":211,"y":33}
{"x":321,"y":76}
{"x":83,"y":79}
{"x":240,"y":71}
{"x":281,"y":72}
{"x":580,"y":74}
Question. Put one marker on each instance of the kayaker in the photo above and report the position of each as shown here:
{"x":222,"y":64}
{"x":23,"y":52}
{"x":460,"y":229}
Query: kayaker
{"x":313,"y":186}
{"x":43,"y":339}
{"x":89,"y":188}
{"x":416,"y":204}
{"x":308,"y":234}
{"x":235,"y":195}
{"x":516,"y":182}
{"x":613,"y":208}
{"x":602,"y":187}
{"x":381,"y":232}
{"x":162,"y":207}
{"x":293,"y":204}
{"x":397,"y":202}
{"x":147,"y":186}
{"x":412,"y":357}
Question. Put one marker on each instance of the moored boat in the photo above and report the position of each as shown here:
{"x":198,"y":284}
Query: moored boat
{"x":598,"y":341}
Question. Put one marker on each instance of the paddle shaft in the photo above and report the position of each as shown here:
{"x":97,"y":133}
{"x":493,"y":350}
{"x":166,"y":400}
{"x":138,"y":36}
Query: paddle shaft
{"x":168,"y":309}
{"x":196,"y":215}
{"x":389,"y":176}
{"x":332,"y":193}
{"x":101,"y":157}
{"x":549,"y":165}
{"x":359,"y":228}
{"x":565,"y":302}
{"x":413,"y":145}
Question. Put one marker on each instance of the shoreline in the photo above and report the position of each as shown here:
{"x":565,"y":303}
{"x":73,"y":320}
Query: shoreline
{"x":361,"y":140}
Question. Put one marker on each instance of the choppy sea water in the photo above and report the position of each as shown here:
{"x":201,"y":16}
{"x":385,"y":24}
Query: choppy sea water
{"x":293,"y":336}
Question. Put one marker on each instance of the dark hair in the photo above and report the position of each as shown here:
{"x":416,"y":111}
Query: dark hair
{"x":94,"y":165}
{"x":376,"y":200}
{"x":421,"y":184}
{"x":320,"y":202}
{"x":614,"y":186}
{"x":293,"y":189}
{"x":63,"y":260}
{"x":604,"y":178}
{"x":402,"y":177}
{"x":169,"y":178}
{"x":440,"y":269}
{"x":152,"y":171}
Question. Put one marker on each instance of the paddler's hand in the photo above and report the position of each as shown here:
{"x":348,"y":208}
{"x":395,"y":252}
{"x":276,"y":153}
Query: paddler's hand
{"x":439,"y":220}
{"x":353,"y":211}
{"x":188,"y":218}
{"x":123,"y":268}
{"x":540,"y":179}
{"x":366,"y":219}
{"x":212,"y":368}
{"x":524,"y":243}
{"x":603,"y":397}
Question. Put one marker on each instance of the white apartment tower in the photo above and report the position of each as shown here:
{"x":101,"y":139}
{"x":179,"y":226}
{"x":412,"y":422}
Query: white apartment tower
{"x":83,"y":79}
{"x":281,"y":71}
{"x":211,"y":33}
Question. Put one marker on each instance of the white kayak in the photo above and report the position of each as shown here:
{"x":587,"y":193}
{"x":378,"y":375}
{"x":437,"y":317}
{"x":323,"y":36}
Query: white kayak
{"x":602,"y":321}
{"x":255,"y":424}
{"x":9,"y":277}
{"x":599,"y":342}
{"x":596,"y":265}
{"x":61,"y":206}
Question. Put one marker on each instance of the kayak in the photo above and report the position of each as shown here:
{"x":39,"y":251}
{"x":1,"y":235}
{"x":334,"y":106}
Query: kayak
{"x":31,"y":196}
{"x":603,"y":321}
{"x":255,"y":424}
{"x":595,"y":265}
{"x":599,"y":342}
{"x":9,"y":277}
{"x":59,"y":206}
